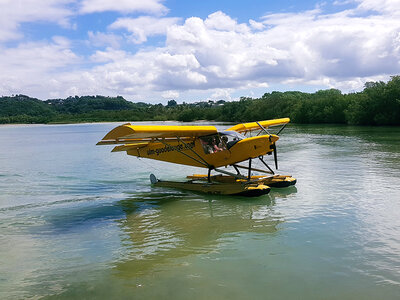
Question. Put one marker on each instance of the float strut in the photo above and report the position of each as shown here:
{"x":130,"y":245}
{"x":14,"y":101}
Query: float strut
{"x":265,"y":164}
{"x":237,"y":170}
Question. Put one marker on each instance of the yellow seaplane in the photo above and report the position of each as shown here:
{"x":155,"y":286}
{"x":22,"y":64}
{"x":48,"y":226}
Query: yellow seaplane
{"x":206,"y":147}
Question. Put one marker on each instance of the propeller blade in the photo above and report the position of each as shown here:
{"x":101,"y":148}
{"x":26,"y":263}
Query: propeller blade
{"x":275,"y":156}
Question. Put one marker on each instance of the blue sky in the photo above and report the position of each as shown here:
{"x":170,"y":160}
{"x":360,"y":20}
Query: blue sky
{"x":154,"y":50}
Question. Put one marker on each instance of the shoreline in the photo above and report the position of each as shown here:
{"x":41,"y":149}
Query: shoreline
{"x":181,"y":122}
{"x":113,"y":122}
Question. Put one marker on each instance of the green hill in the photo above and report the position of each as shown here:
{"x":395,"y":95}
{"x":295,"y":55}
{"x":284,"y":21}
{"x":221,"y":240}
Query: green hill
{"x":377,"y":104}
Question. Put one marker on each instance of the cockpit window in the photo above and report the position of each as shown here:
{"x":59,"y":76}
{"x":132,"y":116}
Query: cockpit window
{"x":220,"y":141}
{"x":212,"y":143}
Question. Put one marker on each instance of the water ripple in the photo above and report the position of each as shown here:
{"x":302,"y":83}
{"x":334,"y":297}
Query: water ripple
{"x":91,"y":225}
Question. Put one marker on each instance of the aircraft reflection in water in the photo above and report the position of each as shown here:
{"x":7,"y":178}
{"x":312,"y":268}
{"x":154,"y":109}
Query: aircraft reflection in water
{"x":206,"y":147}
{"x":161,"y":227}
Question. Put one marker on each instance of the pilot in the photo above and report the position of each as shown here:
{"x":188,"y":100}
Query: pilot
{"x":233,"y":142}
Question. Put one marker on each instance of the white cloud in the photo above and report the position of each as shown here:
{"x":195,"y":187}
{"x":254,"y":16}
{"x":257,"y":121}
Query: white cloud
{"x":226,"y":57}
{"x":338,"y":46}
{"x":334,"y":50}
{"x":143,"y":27}
{"x":170,"y":94}
{"x":221,"y":94}
{"x":256,"y":25}
{"x":99,"y":39}
{"x":39,"y":56}
{"x":178,"y":61}
{"x":15,"y":12}
{"x":123,"y":6}
{"x":221,"y":21}
{"x":216,"y":55}
{"x":343,"y":2}
{"x":391,"y":7}
{"x":34,"y":67}
{"x":109,"y":55}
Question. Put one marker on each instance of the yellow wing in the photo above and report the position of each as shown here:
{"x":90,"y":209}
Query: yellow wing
{"x":142,"y":135}
{"x":253,"y":126}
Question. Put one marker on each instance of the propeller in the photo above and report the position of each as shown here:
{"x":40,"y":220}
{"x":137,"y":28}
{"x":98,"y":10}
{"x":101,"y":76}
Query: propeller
{"x":273,"y":147}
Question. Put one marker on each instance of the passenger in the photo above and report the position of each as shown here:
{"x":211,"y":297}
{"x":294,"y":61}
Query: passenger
{"x":206,"y":146}
{"x":215,"y":146}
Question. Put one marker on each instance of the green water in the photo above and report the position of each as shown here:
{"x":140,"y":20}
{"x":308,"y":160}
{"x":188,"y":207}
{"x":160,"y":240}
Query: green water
{"x":77,"y":221}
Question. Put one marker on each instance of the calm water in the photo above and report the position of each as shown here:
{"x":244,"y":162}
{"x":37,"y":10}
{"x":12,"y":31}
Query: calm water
{"x":77,"y":221}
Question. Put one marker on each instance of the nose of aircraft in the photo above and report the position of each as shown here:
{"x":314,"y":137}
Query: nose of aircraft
{"x":265,"y":143}
{"x":269,"y":146}
{"x":273,"y":138}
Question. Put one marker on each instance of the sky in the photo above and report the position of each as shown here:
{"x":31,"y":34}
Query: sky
{"x":157,"y":50}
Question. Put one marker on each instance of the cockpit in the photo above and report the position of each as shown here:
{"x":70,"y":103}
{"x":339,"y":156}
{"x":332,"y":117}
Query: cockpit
{"x":221,"y":141}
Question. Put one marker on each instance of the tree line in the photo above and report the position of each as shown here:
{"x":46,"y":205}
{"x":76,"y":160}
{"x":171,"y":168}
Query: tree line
{"x":377,"y":104}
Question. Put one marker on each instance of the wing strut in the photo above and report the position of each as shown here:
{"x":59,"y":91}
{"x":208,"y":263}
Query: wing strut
{"x":179,"y":139}
{"x":283,"y":127}
{"x":173,"y":147}
{"x":263,"y":128}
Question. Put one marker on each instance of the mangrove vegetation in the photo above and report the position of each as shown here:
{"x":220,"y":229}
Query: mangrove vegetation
{"x":377,"y":104}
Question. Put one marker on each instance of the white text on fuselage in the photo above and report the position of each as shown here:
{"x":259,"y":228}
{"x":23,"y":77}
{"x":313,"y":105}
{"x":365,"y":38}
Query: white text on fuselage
{"x":168,"y":148}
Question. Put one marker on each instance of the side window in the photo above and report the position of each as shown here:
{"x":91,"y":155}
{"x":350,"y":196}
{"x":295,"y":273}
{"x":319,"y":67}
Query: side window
{"x":231,"y":139}
{"x":212,"y":144}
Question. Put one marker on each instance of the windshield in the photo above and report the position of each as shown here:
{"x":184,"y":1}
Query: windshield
{"x":230,"y":138}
